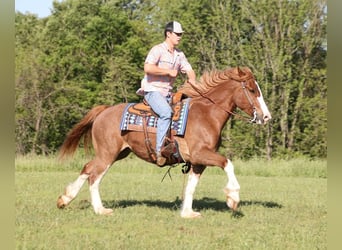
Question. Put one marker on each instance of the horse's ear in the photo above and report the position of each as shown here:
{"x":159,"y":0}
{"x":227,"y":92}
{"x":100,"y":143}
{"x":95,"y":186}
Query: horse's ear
{"x":236,"y":70}
{"x":240,"y":71}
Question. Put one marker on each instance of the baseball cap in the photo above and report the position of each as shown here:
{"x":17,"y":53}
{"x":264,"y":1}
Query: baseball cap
{"x":174,"y":27}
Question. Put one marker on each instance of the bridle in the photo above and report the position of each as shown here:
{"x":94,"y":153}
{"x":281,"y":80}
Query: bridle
{"x":250,"y":102}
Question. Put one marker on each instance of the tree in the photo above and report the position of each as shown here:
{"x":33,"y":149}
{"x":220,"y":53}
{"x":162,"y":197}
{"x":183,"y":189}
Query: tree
{"x":287,"y":36}
{"x":30,"y":89}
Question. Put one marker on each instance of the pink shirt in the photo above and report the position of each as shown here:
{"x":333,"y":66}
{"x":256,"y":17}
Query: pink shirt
{"x":161,"y":56}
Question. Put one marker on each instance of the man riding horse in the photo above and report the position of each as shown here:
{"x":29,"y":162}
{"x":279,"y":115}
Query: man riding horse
{"x":162,"y":65}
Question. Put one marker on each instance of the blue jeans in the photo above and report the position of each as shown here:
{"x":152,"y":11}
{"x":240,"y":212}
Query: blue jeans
{"x":160,"y":105}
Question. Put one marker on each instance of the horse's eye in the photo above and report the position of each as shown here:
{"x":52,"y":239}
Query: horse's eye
{"x":252,"y":91}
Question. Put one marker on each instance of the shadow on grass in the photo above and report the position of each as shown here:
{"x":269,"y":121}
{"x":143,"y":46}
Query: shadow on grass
{"x":202,"y":204}
{"x":266,"y":204}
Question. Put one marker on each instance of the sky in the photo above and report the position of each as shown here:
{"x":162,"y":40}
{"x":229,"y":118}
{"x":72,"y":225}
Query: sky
{"x":42,"y":8}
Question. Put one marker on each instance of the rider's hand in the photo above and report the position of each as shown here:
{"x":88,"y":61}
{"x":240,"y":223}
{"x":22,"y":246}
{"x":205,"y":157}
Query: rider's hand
{"x":191,"y":81}
{"x":173,"y":72}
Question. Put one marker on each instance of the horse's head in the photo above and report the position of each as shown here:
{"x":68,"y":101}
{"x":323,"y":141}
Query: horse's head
{"x":248,"y":96}
{"x":231,"y":88}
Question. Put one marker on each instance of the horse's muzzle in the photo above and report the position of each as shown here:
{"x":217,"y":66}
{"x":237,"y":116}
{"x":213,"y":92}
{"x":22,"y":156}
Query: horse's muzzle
{"x":260,"y":118}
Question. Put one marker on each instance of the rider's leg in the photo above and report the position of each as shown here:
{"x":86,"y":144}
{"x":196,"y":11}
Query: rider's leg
{"x":161,"y":107}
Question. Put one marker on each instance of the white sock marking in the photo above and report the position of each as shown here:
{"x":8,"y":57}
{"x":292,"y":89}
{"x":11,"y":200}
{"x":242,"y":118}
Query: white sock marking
{"x":233,"y":183}
{"x":189,"y":192}
{"x":95,"y":194}
{"x":73,"y":188}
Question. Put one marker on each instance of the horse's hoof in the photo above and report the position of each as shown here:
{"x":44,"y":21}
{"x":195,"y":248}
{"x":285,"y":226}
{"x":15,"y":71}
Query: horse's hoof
{"x":60,"y":202}
{"x":233,"y":198}
{"x":232,"y":204}
{"x":105,"y":211}
{"x":191,"y":215}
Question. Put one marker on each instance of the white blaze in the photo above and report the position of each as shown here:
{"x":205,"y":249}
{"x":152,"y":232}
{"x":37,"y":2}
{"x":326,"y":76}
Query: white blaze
{"x":264,"y":108}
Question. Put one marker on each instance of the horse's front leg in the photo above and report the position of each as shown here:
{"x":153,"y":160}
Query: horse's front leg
{"x":194,"y":176}
{"x":233,"y":188}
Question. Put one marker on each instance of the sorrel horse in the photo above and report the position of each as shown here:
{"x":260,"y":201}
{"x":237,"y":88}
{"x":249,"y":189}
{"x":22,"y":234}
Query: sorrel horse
{"x":213,"y":100}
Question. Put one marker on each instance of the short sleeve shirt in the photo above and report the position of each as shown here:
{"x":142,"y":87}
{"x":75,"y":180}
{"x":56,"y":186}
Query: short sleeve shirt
{"x":161,"y":56}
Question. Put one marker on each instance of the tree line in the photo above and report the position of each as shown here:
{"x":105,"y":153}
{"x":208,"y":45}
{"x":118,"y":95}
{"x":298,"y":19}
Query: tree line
{"x":91,"y":52}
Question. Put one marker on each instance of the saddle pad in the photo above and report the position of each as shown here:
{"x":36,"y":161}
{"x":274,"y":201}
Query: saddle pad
{"x":134,"y":122}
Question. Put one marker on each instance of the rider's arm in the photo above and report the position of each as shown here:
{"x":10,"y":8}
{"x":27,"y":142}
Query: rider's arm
{"x":153,"y":69}
{"x":191,"y":76}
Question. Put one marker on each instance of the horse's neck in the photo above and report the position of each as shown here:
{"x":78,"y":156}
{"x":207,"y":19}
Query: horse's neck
{"x":213,"y":110}
{"x":221,"y":99}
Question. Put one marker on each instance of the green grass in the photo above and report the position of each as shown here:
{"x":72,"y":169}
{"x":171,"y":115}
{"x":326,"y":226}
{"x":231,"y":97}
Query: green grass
{"x":283,"y":206}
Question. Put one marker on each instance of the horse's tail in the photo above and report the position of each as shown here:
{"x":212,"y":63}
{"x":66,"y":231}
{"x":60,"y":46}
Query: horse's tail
{"x":81,"y":129}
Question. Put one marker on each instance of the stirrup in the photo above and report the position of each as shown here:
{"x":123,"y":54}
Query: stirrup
{"x":161,"y":160}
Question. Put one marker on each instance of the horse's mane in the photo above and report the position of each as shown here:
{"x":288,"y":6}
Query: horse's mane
{"x":213,"y":78}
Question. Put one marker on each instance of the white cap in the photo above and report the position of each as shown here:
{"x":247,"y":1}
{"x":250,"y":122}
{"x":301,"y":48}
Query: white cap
{"x":174,"y":27}
{"x":177,"y":27}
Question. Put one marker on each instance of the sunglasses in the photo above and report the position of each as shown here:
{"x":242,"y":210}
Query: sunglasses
{"x":178,"y":34}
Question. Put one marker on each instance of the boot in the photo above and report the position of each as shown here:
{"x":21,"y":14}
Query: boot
{"x":161,"y":160}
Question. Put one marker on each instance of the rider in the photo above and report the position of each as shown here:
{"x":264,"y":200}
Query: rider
{"x":161,"y":68}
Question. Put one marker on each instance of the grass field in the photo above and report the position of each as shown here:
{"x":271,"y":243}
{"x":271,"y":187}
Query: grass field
{"x":283,"y":206}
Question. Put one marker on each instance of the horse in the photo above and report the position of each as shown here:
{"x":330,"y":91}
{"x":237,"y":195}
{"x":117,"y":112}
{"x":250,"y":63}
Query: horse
{"x":213,"y":100}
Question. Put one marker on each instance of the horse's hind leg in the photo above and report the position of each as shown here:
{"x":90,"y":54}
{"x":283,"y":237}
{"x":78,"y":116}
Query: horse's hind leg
{"x":93,"y":171}
{"x":95,"y":178}
{"x":73,"y":188}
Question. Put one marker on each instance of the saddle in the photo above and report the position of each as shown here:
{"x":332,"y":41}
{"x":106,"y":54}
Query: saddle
{"x":143,"y":108}
{"x":170,"y":147}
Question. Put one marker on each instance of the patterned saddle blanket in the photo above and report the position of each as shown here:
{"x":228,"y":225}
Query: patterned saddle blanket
{"x":133,"y":121}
